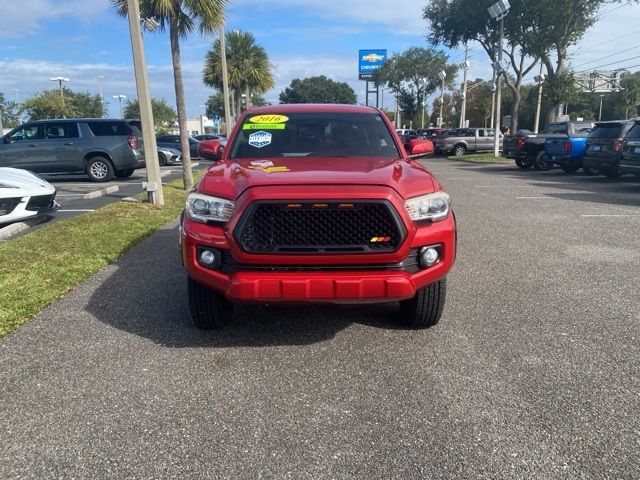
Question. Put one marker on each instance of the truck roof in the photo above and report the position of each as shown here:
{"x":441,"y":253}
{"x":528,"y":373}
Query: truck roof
{"x":312,"y":107}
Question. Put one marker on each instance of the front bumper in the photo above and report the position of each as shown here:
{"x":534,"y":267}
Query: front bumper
{"x":333,"y":278}
{"x":20,"y":212}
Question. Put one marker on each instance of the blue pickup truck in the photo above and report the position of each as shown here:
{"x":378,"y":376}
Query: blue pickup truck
{"x":567,"y":148}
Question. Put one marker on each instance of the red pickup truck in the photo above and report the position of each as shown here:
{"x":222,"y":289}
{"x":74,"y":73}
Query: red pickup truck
{"x":317,"y":203}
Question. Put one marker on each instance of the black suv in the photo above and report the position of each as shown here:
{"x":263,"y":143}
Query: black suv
{"x":630,"y":161}
{"x":101,"y":148}
{"x":604,"y":147}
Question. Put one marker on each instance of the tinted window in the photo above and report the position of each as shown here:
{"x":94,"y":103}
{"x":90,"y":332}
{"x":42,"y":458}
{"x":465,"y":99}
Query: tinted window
{"x":28,"y":132}
{"x":169,"y":139}
{"x":60,"y":130}
{"x":555,"y":129}
{"x":315,"y":135}
{"x":108,"y":129}
{"x":606,"y":131}
{"x":634,"y":132}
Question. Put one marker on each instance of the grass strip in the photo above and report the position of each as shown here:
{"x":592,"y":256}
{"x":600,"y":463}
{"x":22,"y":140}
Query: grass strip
{"x":480,"y":158}
{"x":40,"y":267}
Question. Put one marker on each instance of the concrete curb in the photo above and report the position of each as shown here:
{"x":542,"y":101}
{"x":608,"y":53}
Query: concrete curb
{"x":101,"y":192}
{"x":15,"y":228}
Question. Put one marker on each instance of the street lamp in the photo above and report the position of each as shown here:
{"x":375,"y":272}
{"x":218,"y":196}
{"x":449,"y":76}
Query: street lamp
{"x":424,"y":99}
{"x":540,"y":79}
{"x":60,"y":81}
{"x":600,"y":114}
{"x":120,"y":98}
{"x":442,"y":76}
{"x":498,"y":11}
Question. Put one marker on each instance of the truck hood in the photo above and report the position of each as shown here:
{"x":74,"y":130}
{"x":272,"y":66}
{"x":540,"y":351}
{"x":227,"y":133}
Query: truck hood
{"x":229,"y":179}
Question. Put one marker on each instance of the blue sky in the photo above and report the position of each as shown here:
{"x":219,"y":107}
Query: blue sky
{"x":82,"y":39}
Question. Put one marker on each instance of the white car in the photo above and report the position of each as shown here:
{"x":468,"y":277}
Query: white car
{"x":24,"y":195}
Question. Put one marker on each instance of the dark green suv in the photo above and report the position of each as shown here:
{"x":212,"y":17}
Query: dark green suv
{"x":100,"y":148}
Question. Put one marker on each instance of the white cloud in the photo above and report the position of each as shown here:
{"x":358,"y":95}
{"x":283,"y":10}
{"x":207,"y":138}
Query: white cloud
{"x":23,"y":17}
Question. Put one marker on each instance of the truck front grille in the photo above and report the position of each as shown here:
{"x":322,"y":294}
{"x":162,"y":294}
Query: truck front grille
{"x":320,"y":227}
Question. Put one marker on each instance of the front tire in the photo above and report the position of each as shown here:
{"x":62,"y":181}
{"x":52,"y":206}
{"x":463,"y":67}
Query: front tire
{"x":162,"y":160}
{"x":125,"y":173}
{"x":209,"y":309}
{"x":541,"y":164}
{"x":612,"y":173}
{"x":425,"y":309}
{"x":99,"y":169}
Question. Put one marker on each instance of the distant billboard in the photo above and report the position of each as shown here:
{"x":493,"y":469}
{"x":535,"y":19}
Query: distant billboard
{"x":369,"y":61}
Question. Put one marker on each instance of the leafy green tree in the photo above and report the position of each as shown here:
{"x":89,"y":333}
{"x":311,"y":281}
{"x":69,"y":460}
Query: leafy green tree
{"x":50,"y":104}
{"x":10,"y":113}
{"x":164,"y":116}
{"x":455,"y":22}
{"x":248,"y":67}
{"x":414,"y":73}
{"x":215,"y":105}
{"x":631,"y":93}
{"x":181,"y":17}
{"x":318,"y":90}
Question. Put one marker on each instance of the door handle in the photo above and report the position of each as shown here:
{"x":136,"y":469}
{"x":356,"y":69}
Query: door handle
{"x":69,"y":143}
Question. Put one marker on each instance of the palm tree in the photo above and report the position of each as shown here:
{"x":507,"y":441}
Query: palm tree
{"x":247,"y":63}
{"x":181,"y":17}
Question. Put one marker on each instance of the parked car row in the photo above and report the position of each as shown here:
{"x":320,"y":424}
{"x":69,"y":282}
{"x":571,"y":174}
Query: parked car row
{"x":100,"y":148}
{"x":608,"y":148}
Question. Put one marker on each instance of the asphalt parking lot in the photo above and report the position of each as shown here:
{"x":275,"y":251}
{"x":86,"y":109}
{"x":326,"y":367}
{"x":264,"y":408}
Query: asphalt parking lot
{"x":533,"y":371}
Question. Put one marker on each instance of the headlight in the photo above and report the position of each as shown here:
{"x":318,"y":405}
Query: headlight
{"x":434,"y":207}
{"x":203,"y":208}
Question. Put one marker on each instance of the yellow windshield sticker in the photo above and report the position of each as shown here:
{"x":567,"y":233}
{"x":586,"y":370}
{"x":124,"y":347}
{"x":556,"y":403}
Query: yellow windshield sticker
{"x":263,"y":126}
{"x":269,"y":119}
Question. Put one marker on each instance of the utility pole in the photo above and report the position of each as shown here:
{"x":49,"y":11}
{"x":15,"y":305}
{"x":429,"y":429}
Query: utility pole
{"x":498,"y":11}
{"x":465,"y":67}
{"x":540,"y":80}
{"x":225,"y":82}
{"x":493,"y":100}
{"x":154,"y":181}
{"x":442,"y":75}
{"x":600,"y":114}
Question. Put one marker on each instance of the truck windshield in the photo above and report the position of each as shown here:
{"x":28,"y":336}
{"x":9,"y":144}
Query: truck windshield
{"x":314,"y":134}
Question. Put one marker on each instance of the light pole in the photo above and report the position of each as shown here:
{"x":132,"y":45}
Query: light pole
{"x":498,"y":11}
{"x":442,"y":76}
{"x":465,"y":66}
{"x":120,"y":98}
{"x":60,"y":81}
{"x":424,"y":99}
{"x":100,"y":80}
{"x":153,"y":185}
{"x":600,"y":114}
{"x":540,"y":79}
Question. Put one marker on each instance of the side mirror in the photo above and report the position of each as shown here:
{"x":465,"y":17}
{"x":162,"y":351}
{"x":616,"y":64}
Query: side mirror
{"x":419,"y":147}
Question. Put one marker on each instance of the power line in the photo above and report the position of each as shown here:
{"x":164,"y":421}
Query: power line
{"x":603,"y":14}
{"x":607,"y":64}
{"x":607,"y":56}
{"x":599,"y":44}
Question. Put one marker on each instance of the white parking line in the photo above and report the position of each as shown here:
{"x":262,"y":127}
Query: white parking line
{"x":69,"y":195}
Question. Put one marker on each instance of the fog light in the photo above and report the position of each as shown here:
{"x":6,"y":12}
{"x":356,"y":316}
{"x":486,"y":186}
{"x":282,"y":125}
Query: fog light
{"x":429,"y":256}
{"x":209,"y":257}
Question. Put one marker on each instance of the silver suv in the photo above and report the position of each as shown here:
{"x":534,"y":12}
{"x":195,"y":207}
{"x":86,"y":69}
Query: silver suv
{"x":100,"y":148}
